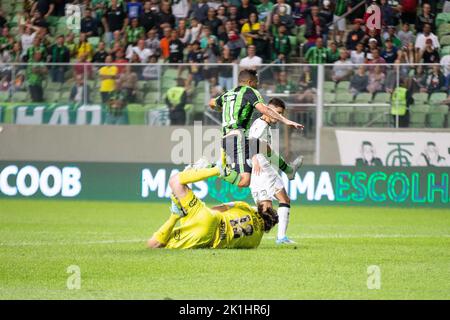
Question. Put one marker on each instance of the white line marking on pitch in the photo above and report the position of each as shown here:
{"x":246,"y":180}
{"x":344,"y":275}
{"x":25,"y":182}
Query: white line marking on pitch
{"x":304,"y":236}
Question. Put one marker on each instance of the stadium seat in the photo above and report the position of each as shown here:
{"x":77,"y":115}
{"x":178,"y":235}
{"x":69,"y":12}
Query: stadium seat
{"x":361,"y":116}
{"x":418,"y":114}
{"x":20,"y":96}
{"x":382,"y":97}
{"x":380,"y":117}
{"x":445,"y":40}
{"x":436,"y":116}
{"x":344,"y":97}
{"x":441,"y":18}
{"x":329,"y":97}
{"x":443,"y":30}
{"x":437,"y":97}
{"x":94,"y":41}
{"x":420,"y":97}
{"x":328,"y":86}
{"x":171,"y":73}
{"x":51,"y":96}
{"x":294,"y":44}
{"x":364,"y":97}
{"x":328,"y":118}
{"x":342,"y":116}
{"x":136,"y":113}
{"x":445,"y":51}
{"x":4,"y":96}
{"x":151,"y":97}
{"x":343,"y":86}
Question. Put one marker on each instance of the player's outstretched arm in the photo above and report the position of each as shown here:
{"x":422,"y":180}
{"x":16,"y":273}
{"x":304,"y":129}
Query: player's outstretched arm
{"x":212,"y":104}
{"x":270,"y":112}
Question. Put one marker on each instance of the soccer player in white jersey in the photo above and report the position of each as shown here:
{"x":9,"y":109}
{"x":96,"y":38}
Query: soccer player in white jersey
{"x":266,"y":183}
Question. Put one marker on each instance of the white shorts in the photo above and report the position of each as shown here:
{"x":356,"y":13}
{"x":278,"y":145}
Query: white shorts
{"x":265,"y":185}
{"x":341,"y":25}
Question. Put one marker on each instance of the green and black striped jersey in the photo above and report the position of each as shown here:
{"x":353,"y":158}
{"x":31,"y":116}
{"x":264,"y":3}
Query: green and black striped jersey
{"x":237,"y":107}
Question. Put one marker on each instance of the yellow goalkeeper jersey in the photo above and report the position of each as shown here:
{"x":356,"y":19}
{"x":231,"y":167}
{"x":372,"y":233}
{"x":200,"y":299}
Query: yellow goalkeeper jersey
{"x":240,"y":227}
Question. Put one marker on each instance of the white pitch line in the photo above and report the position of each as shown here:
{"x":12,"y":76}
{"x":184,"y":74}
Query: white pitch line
{"x":303,"y":236}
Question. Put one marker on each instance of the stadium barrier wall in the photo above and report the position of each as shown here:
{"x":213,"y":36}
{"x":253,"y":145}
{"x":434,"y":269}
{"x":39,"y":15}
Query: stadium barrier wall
{"x":325,"y":185}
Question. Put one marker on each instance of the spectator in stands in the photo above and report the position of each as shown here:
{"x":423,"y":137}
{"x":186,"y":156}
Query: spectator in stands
{"x":284,"y":85}
{"x":427,"y":34}
{"x":226,"y":73}
{"x":426,"y":17}
{"x":183,"y":31}
{"x":6,"y":39}
{"x":59,"y":53}
{"x":281,"y":44}
{"x":77,"y":93}
{"x":359,"y":81}
{"x":27,"y":36}
{"x":391,"y":34}
{"x":89,"y":24}
{"x":245,"y":10}
{"x":341,"y":8}
{"x":140,"y":50}
{"x":108,"y":75}
{"x":214,"y":88}
{"x":333,"y":53}
{"x":176,"y":98}
{"x":82,"y":67}
{"x":387,"y":13}
{"x":176,"y":48}
{"x":181,"y":8}
{"x":445,"y":63}
{"x":148,"y":18}
{"x":406,"y":36}
{"x":264,"y":9}
{"x":200,"y":10}
{"x":212,"y":50}
{"x":100,"y":54}
{"x":164,"y":43}
{"x":262,"y":44}
{"x":70,"y":44}
{"x":342,"y":69}
{"x":206,"y":36}
{"x":165,"y":16}
{"x":116,"y":105}
{"x":250,"y":29}
{"x":134,"y":9}
{"x":37,"y":46}
{"x":409,"y":54}
{"x":36,"y":71}
{"x":389,"y":53}
{"x":376,"y":80}
{"x":358,"y":56}
{"x":429,"y":54}
{"x":235,"y":43}
{"x":434,"y":81}
{"x":212,"y":21}
{"x":128,"y":82}
{"x":408,"y":11}
{"x":315,"y":25}
{"x":355,"y":36}
{"x":251,"y":61}
{"x":114,"y":19}
{"x":44,"y":7}
{"x":317,"y":54}
{"x":134,"y":32}
{"x":195,"y":57}
{"x":120,"y":60}
{"x":222,"y":14}
{"x":84,"y":47}
{"x":152,"y":43}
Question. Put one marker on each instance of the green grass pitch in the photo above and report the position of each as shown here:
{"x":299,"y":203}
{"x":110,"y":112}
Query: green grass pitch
{"x":335,"y":245}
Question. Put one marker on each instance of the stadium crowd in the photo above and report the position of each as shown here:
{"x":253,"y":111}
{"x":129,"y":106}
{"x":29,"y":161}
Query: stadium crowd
{"x":248,"y":33}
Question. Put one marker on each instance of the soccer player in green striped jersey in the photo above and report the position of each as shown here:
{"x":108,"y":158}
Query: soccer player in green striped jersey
{"x":237,"y":107}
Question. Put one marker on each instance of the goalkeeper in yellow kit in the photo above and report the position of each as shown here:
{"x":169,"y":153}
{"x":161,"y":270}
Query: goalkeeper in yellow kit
{"x":231,"y":225}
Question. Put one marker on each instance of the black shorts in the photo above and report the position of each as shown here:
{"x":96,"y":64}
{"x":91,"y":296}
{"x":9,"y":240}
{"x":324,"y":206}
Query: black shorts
{"x":239,"y":151}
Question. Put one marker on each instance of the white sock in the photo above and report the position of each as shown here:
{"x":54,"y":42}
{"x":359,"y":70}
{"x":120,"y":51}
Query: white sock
{"x":283,"y":220}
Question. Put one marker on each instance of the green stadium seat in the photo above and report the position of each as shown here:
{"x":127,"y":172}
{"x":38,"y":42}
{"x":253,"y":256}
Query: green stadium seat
{"x":20,"y":96}
{"x":294,"y":44}
{"x":380,"y":117}
{"x":343,"y":86}
{"x":51,"y":96}
{"x":361,"y":116}
{"x":136,"y":113}
{"x":151,"y":97}
{"x":4,"y":96}
{"x":441,"y":18}
{"x":328,"y":86}
{"x":328,"y":118}
{"x":189,"y":108}
{"x":417,"y":115}
{"x":443,"y":30}
{"x":382,"y":97}
{"x":344,"y":97}
{"x":364,"y":97}
{"x":445,"y":40}
{"x":436,"y":116}
{"x":171,"y":73}
{"x":420,"y":97}
{"x":329,"y":97}
{"x":342,"y":116}
{"x":445,"y":51}
{"x":437,"y":97}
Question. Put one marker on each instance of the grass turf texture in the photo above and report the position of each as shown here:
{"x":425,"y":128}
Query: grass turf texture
{"x":40,"y":239}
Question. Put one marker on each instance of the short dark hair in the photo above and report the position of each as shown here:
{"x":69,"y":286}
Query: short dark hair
{"x":247,"y":74}
{"x":269,"y":215}
{"x":277,"y":103}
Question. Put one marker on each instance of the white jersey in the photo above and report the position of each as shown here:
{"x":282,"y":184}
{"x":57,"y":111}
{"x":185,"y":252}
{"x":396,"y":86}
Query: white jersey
{"x":260,"y":129}
{"x":268,"y":183}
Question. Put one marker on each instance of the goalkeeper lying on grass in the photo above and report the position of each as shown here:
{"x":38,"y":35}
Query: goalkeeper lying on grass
{"x":231,"y":225}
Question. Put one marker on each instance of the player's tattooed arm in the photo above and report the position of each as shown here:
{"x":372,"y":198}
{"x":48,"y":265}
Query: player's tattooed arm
{"x":269,"y":111}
